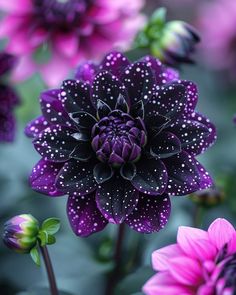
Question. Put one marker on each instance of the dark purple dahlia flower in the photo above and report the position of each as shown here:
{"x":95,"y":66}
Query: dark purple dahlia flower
{"x":8,"y":100}
{"x":119,"y":141}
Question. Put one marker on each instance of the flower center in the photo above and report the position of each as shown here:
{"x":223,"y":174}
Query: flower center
{"x":59,"y":14}
{"x":118,"y":138}
{"x":227,"y":276}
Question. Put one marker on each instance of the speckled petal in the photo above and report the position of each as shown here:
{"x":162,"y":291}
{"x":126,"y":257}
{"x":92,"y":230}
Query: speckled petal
{"x":84,"y":216}
{"x":43,"y":178}
{"x":211,"y":138}
{"x":183,"y":174}
{"x":165,"y":145}
{"x":75,"y":97}
{"x":205,"y":179}
{"x":77,"y":176}
{"x":162,"y":73}
{"x":115,"y":63}
{"x":139,"y":81}
{"x":55,"y":143}
{"x":192,"y":135}
{"x":52,"y":108}
{"x":107,"y":88}
{"x":151,"y":214}
{"x":86,"y":72}
{"x":116,"y":199}
{"x":192,"y":96}
{"x":168,"y":101}
{"x":151,"y":177}
{"x":34,"y":127}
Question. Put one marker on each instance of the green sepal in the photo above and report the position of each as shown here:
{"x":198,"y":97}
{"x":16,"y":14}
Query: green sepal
{"x":34,"y":253}
{"x":51,"y":225}
{"x":158,"y":17}
{"x":43,"y":237}
{"x":51,"y":240}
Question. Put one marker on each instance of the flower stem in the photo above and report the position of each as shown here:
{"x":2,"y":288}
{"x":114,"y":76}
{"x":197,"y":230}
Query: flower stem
{"x":115,"y":275}
{"x":50,"y":272}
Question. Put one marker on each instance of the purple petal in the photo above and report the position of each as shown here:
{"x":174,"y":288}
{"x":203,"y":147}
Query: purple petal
{"x":169,"y":101}
{"x":86,"y":72}
{"x":193,"y":135}
{"x":165,"y":145}
{"x":151,"y":214}
{"x":34,"y":127}
{"x":192,"y":96}
{"x":139,"y":81}
{"x":162,"y":73}
{"x":210,"y":139}
{"x":151,"y":176}
{"x":8,"y":98}
{"x":55,"y":143}
{"x":116,"y":202}
{"x":84,"y":216}
{"x":75,"y":97}
{"x":205,"y":179}
{"x":115,"y":63}
{"x":77,"y":176}
{"x":7,"y":127}
{"x":183,"y":174}
{"x":43,"y":178}
{"x":52,"y":108}
{"x":7,"y":62}
{"x":107,"y":88}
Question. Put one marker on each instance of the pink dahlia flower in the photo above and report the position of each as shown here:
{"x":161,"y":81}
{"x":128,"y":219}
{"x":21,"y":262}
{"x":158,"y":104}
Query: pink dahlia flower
{"x":217,"y":22}
{"x":69,"y":31}
{"x":202,"y":263}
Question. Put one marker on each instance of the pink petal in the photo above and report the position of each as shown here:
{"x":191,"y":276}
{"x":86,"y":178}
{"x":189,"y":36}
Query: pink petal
{"x":10,"y":24}
{"x":18,"y":6}
{"x":232,"y":245}
{"x":195,"y":243}
{"x":20,"y":44}
{"x":186,"y":271}
{"x":55,"y":71}
{"x":25,"y":69}
{"x":220,"y":232}
{"x":164,"y":283}
{"x":161,"y":258}
{"x":67,"y":44}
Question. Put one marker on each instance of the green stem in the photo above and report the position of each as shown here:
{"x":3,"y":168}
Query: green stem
{"x":50,"y":272}
{"x":198,"y":216}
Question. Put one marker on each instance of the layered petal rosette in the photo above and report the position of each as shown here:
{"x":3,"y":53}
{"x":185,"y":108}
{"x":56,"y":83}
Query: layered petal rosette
{"x":52,"y":36}
{"x":8,"y":100}
{"x":202,"y":262}
{"x":119,"y":140}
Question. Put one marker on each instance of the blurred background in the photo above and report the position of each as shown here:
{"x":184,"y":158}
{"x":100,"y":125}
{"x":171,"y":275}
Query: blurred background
{"x":81,"y":265}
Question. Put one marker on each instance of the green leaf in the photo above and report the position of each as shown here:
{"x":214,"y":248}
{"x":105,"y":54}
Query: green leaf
{"x":34,"y":253}
{"x":43,"y":236}
{"x":51,"y":240}
{"x":51,"y":225}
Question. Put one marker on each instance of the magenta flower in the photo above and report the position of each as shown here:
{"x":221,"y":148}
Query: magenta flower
{"x":202,"y":263}
{"x":119,"y":141}
{"x":8,"y":100}
{"x":68,"y":30}
{"x":219,"y":41}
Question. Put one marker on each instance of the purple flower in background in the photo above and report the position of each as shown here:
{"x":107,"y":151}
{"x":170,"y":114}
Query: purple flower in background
{"x":20,"y":233}
{"x":119,"y":141}
{"x":8,"y":100}
{"x":201,"y":262}
{"x":219,"y":41}
{"x":66,"y":32}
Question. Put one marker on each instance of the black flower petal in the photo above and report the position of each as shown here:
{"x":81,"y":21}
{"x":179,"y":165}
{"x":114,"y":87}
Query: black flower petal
{"x":137,"y":110}
{"x":151,"y":176}
{"x":139,"y":81}
{"x":128,"y":171}
{"x":107,"y":88}
{"x":82,"y":151}
{"x":102,"y":172}
{"x":36,"y":126}
{"x":151,"y":213}
{"x":55,"y":143}
{"x":77,"y":176}
{"x":117,"y":201}
{"x":83,"y":120}
{"x":102,"y":109}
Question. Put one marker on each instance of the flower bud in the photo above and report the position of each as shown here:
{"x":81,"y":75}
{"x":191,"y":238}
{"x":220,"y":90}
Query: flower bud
{"x":20,"y":233}
{"x":171,"y":42}
{"x":209,"y":197}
